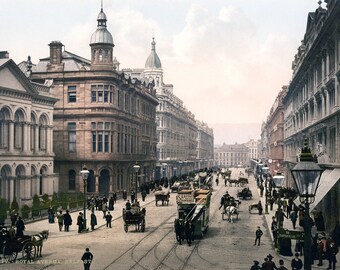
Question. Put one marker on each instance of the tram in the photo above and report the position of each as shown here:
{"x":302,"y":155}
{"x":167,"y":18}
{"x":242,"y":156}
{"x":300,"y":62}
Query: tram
{"x":193,"y":206}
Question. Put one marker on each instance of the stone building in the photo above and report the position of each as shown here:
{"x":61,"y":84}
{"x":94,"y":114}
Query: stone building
{"x":263,"y":146}
{"x":232,"y":155}
{"x":253,"y":148}
{"x":205,"y":146}
{"x":26,"y":130}
{"x":312,"y":105}
{"x":275,"y":130}
{"x":177,"y":129}
{"x":103,"y":120}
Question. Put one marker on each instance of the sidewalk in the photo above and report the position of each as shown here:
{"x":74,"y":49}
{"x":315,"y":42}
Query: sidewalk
{"x":287,"y":224}
{"x":43,"y":224}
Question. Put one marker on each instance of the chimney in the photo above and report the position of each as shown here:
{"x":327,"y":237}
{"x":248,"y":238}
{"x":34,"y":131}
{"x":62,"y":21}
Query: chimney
{"x":4,"y":55}
{"x":55,"y":52}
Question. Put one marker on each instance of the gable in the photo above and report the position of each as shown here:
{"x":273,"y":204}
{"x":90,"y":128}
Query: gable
{"x":9,"y":80}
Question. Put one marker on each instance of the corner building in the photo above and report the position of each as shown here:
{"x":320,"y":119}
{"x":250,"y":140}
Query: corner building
{"x":176,"y":126}
{"x":312,"y":106}
{"x":103,"y":119}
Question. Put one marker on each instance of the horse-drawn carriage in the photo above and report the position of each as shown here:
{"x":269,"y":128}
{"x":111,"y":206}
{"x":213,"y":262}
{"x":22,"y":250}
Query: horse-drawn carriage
{"x":241,"y":181}
{"x":134,"y":216}
{"x":230,"y":211}
{"x":245,"y":193}
{"x":162,"y":196}
{"x":30,"y":246}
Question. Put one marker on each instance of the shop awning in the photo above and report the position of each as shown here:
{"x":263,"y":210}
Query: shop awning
{"x":328,"y":179}
{"x":326,"y":184}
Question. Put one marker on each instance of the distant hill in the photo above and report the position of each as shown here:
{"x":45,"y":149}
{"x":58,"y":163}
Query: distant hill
{"x":235,"y":133}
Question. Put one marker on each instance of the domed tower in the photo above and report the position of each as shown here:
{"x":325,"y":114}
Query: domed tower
{"x":153,"y":67}
{"x":101,"y":45}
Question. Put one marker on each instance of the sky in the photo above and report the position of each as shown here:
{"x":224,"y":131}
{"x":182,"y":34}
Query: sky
{"x":227,"y":59}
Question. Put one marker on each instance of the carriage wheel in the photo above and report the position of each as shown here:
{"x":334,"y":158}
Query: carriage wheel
{"x":143,"y":226}
{"x":126,"y":227}
{"x":9,"y":256}
{"x":29,"y":251}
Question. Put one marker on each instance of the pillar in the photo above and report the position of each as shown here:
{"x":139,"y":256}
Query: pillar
{"x":97,"y":183}
{"x":11,"y":136}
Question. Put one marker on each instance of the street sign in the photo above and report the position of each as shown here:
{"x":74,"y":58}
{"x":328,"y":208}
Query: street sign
{"x":184,"y":198}
{"x":283,"y":233}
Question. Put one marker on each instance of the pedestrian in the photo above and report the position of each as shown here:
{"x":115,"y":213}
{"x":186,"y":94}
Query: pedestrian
{"x":143,"y":195}
{"x":80,"y":222}
{"x":124,"y":194}
{"x":225,"y":181}
{"x":296,"y":262}
{"x":319,"y":222}
{"x":258,"y":235}
{"x":336,"y":234}
{"x":331,"y":252}
{"x":20,"y":227}
{"x":50,"y":215}
{"x":14,"y":218}
{"x":216,"y":181}
{"x":256,"y":266}
{"x":133,"y":196}
{"x":269,"y":264}
{"x":261,"y":190}
{"x":128,"y":205}
{"x":322,"y":244}
{"x":259,"y":207}
{"x":114,"y":195}
{"x":108,"y":219}
{"x":293,"y":218}
{"x":87,"y":259}
{"x":67,"y":221}
{"x":93,"y":220}
{"x":222,"y":201}
{"x":281,"y":267}
{"x":60,"y":218}
{"x":111,"y":203}
{"x":188,"y":232}
{"x":104,"y":209}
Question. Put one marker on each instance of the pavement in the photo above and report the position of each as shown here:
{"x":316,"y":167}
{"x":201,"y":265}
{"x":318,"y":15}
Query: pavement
{"x":36,"y":226}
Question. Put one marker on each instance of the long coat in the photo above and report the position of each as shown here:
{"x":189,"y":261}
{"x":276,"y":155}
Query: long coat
{"x":67,"y":219}
{"x":93,"y":219}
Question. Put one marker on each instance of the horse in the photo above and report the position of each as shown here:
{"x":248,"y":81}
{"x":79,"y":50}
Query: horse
{"x":179,"y":230}
{"x":231,"y":211}
{"x":38,"y":240}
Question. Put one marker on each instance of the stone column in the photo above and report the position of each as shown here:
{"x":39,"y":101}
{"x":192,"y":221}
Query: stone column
{"x":36,"y":143}
{"x":111,"y":184}
{"x":97,"y":183}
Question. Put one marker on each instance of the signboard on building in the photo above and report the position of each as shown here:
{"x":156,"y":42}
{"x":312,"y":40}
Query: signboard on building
{"x":185,"y":198}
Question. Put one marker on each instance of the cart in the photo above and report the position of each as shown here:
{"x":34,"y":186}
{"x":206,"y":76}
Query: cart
{"x":163,"y":197}
{"x":12,"y":246}
{"x":135,"y":216}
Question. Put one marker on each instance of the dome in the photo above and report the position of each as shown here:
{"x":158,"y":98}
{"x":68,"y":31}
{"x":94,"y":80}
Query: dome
{"x":101,"y":35}
{"x":153,"y":60}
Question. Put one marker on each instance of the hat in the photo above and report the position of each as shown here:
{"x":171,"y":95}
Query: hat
{"x":269,"y":256}
{"x":296,"y":254}
{"x":256,"y":262}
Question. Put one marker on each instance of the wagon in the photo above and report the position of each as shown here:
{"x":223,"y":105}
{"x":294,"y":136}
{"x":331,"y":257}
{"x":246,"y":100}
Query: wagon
{"x":135,"y":216}
{"x":12,"y":246}
{"x":162,"y":196}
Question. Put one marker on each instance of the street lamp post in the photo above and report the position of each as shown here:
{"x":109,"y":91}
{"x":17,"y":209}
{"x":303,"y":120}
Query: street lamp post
{"x":136,"y":167}
{"x":265,"y":170}
{"x":84,"y":174}
{"x":306,"y":175}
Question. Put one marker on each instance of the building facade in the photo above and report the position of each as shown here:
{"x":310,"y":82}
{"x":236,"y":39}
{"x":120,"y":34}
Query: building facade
{"x":205,"y":146}
{"x":26,"y":135}
{"x":177,"y":128}
{"x":263,"y":145}
{"x":312,"y":105}
{"x":104,"y":119}
{"x":232,"y":155}
{"x":275,"y":130}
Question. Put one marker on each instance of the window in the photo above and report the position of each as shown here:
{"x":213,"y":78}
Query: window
{"x":102,"y":93}
{"x":72,"y":94}
{"x":100,"y":141}
{"x":71,"y":180}
{"x":72,"y":135}
{"x":94,"y":141}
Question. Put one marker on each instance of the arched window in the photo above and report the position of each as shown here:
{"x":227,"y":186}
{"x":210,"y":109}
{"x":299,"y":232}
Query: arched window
{"x":42,"y":133}
{"x":72,"y":180}
{"x":18,"y":129}
{"x":4,"y":128}
{"x":32,"y":132}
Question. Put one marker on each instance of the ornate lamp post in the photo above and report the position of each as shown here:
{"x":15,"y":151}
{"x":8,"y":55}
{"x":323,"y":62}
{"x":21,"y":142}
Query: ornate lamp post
{"x":84,"y":174}
{"x":306,"y":175}
{"x":136,"y":167}
{"x":265,"y":170}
